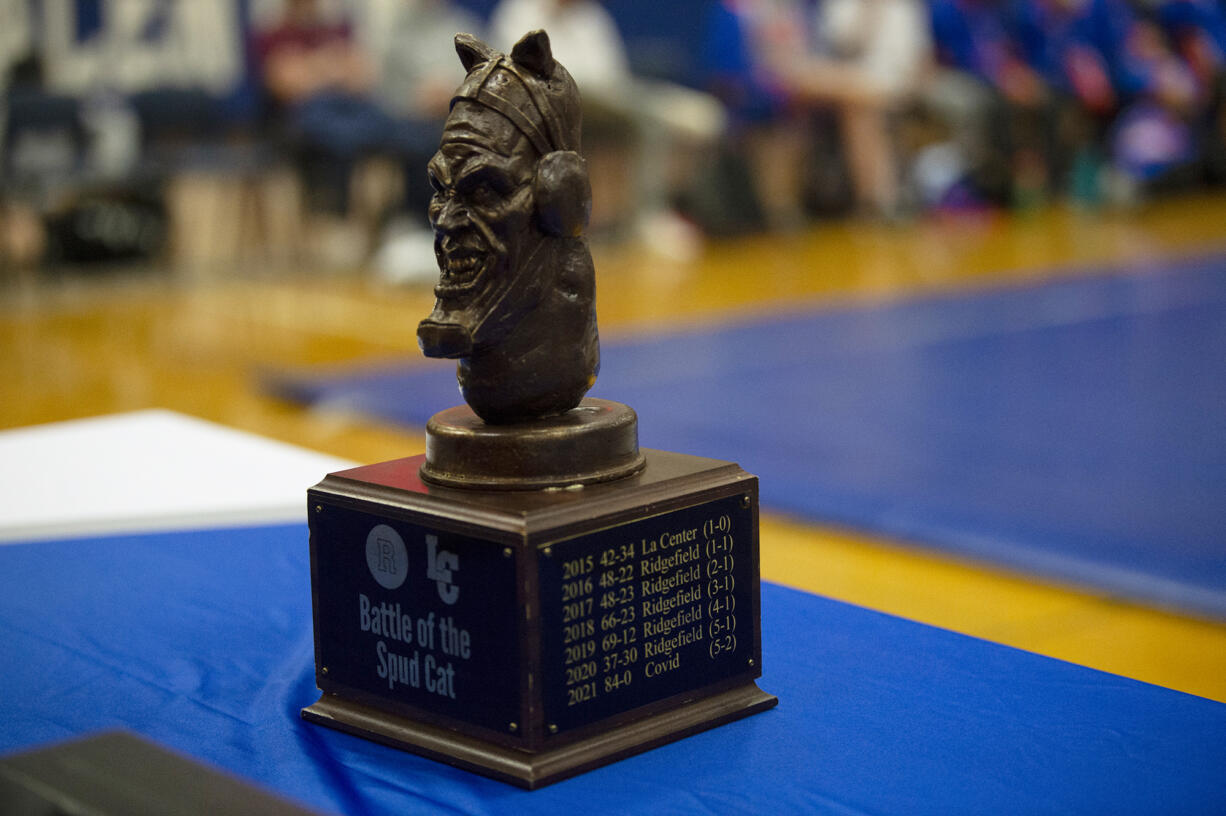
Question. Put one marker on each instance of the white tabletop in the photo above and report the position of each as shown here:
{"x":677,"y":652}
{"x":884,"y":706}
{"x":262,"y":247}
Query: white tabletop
{"x":148,"y":470}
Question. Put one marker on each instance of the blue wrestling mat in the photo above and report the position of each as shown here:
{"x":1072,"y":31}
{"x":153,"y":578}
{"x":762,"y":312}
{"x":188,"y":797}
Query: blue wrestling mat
{"x":1073,"y":429}
{"x":201,"y":641}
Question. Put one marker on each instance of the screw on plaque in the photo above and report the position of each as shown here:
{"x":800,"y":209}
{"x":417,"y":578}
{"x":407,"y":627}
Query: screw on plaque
{"x":553,"y":728}
{"x":506,"y":552}
{"x":548,"y":551}
{"x":513,"y":726}
{"x":745,"y":501}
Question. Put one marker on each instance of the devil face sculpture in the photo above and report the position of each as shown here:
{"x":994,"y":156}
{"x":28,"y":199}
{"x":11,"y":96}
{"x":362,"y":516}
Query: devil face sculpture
{"x":515,"y":296}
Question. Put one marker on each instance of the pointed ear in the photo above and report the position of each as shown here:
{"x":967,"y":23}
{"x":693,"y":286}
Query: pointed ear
{"x":472,"y":51}
{"x":534,"y":53}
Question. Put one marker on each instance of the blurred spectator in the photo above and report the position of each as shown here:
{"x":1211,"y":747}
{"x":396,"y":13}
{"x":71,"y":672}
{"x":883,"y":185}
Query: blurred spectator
{"x":322,"y":86}
{"x":775,"y":64}
{"x":419,"y":73}
{"x":1119,"y":94}
{"x":1074,"y":46}
{"x":1049,"y":96}
{"x":1152,"y":137}
{"x":1196,"y":31}
{"x":318,"y":82}
{"x":583,"y":36}
{"x":21,"y":234}
{"x":420,"y":69}
{"x":873,"y":57}
{"x":671,"y":127}
{"x":992,"y":100}
{"x":15,"y":37}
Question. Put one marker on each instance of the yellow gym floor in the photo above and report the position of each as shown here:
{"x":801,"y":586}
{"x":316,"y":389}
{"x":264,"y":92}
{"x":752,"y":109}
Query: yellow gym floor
{"x":85,"y":345}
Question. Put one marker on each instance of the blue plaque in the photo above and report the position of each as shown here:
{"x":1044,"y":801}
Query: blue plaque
{"x":414,"y":617}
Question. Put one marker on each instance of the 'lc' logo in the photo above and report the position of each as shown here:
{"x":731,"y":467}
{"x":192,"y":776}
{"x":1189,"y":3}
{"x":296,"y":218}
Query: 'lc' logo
{"x":439,"y":567}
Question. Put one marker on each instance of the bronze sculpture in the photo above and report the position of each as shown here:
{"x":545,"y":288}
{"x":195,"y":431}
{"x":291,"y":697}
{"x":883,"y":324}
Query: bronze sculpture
{"x":516,"y":293}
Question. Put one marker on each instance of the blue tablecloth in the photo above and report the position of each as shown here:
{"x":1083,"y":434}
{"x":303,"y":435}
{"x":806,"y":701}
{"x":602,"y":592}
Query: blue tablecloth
{"x":202,"y":641}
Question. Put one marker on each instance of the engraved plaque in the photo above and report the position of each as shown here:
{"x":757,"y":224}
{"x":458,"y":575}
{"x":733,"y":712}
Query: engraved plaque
{"x":638,"y":613}
{"x":415,"y":617}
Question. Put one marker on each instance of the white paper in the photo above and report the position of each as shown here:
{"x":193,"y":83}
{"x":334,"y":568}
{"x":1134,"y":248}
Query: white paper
{"x":148,"y":470}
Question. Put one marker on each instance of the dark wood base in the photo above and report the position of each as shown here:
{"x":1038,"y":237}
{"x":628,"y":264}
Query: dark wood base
{"x":535,"y":770}
{"x":533,"y":635}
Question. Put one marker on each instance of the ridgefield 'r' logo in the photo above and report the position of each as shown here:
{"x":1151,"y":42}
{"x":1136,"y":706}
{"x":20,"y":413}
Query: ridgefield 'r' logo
{"x":386,"y":557}
{"x":439,"y":567}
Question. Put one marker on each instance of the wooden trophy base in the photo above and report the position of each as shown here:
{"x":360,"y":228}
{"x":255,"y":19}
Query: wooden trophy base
{"x":533,"y":635}
{"x":535,"y":770}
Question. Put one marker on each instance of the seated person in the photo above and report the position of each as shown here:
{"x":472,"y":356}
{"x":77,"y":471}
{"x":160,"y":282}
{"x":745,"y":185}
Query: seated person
{"x":994,"y":102}
{"x":667,"y":124}
{"x":321,"y":83}
{"x":418,"y":76}
{"x":1074,"y":46}
{"x":861,"y":59}
{"x":1196,"y":30}
{"x":1101,"y":61}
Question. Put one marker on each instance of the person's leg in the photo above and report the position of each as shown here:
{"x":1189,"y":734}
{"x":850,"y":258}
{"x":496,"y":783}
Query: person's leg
{"x":863,"y":107}
{"x":776,"y":153}
{"x":869,"y":147}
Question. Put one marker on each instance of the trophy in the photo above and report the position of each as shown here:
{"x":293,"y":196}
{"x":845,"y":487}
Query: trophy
{"x":534,"y":596}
